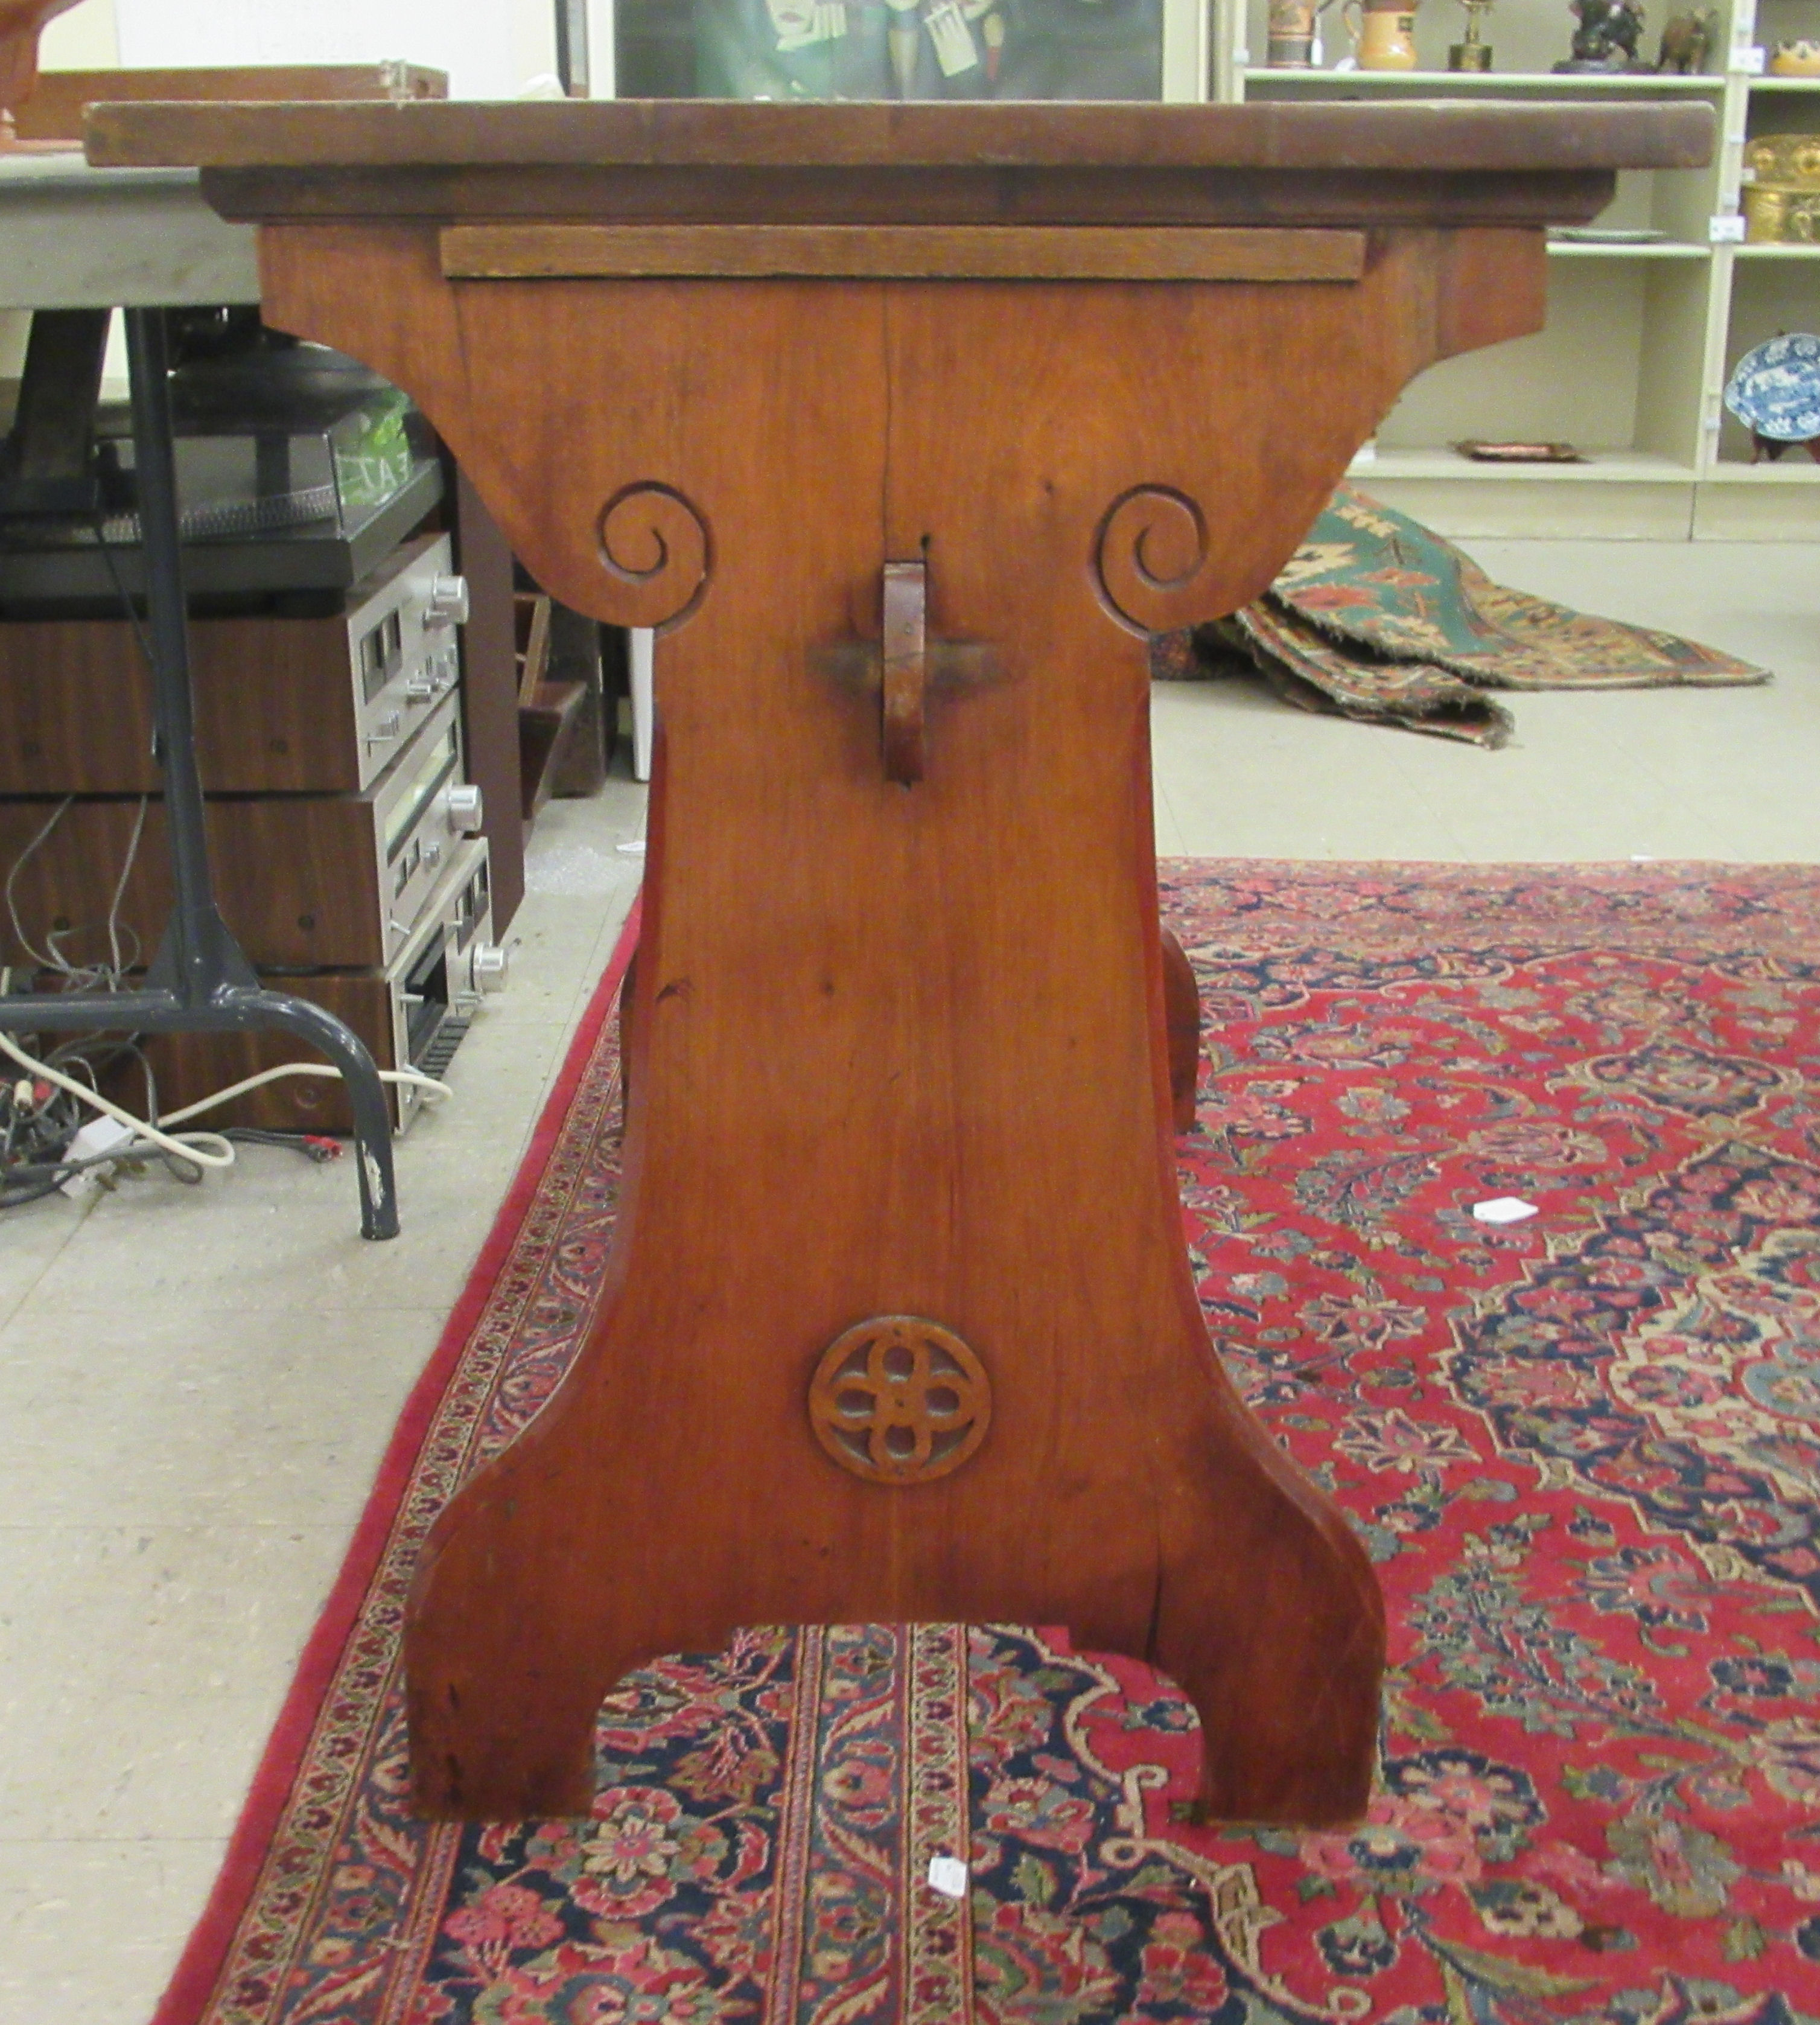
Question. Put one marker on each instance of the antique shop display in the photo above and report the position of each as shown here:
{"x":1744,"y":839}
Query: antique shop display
{"x":1291,"y":34}
{"x":1687,"y":41}
{"x":893,"y":48}
{"x":1781,"y":214}
{"x":1473,"y":52}
{"x":1482,"y":452}
{"x":1781,"y":190}
{"x":1383,"y":33}
{"x":1800,"y":58}
{"x":1774,"y":391}
{"x":1607,"y":36}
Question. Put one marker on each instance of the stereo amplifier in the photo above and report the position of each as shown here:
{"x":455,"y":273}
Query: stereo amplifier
{"x":303,"y":881}
{"x":284,"y":705}
{"x":412,"y":1014}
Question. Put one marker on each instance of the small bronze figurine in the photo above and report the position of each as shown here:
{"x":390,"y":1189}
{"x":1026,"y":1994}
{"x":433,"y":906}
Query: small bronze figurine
{"x":1607,"y":36}
{"x":1687,"y":42}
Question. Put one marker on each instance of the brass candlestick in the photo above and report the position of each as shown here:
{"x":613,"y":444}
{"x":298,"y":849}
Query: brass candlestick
{"x":1475,"y":52}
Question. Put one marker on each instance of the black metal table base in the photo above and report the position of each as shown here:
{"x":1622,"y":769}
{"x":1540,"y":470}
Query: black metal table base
{"x":201,"y":981}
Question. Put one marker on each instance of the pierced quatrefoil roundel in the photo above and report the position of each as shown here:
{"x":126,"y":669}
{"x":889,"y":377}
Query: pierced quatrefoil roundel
{"x":899,"y":1400}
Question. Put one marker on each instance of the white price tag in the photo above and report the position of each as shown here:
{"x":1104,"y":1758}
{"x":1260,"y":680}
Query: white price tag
{"x":1726,"y":230}
{"x":1748,"y":62}
{"x":955,"y":49}
{"x":1503,"y":1209}
{"x":948,"y":1874}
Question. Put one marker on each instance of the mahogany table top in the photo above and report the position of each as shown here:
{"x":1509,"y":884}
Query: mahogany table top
{"x":1059,"y":163}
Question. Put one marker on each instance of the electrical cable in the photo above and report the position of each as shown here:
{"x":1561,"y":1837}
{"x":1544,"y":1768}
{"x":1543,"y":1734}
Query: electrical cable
{"x":434,"y":1091}
{"x":201,"y":1150}
{"x":79,"y":977}
{"x":121,"y":592}
{"x":120,"y":890}
{"x":18,"y":865}
{"x":196,"y":1151}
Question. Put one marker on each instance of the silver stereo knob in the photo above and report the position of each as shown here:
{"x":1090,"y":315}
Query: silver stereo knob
{"x":432,"y":854}
{"x":490,"y":965}
{"x":465,"y":809}
{"x":422,"y":688}
{"x":448,"y":604}
{"x":386,"y":730}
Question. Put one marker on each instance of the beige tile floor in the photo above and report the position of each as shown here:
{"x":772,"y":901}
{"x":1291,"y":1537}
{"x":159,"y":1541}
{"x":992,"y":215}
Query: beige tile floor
{"x":195,"y":1385}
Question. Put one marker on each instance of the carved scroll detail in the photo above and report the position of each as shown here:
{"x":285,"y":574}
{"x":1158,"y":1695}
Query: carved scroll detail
{"x":1151,"y":547}
{"x":656,"y":544}
{"x":900,"y":1400}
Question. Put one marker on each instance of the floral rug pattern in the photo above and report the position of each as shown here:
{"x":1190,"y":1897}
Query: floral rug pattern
{"x":1580,"y":1447}
{"x":1379,"y":618}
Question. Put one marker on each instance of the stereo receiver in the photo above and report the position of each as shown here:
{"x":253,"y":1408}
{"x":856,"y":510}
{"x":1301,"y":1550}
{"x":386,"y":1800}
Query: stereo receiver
{"x":413,"y":1014}
{"x":305,"y":882}
{"x":284,"y":705}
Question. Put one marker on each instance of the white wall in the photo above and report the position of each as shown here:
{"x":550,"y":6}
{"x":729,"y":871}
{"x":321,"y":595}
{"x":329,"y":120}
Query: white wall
{"x":489,"y":48}
{"x":84,"y":39}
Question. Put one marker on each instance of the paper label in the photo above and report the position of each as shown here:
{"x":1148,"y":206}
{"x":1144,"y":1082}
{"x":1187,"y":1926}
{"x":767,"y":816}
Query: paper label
{"x":1503,"y":1209}
{"x":948,"y":1874}
{"x":1726,"y":230}
{"x":955,"y":49}
{"x":799,"y":23}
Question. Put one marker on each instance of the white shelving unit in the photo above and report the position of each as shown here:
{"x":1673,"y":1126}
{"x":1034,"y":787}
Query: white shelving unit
{"x":1640,"y":338}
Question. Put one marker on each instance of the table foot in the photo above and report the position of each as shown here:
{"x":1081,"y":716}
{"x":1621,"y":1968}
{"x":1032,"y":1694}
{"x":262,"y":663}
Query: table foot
{"x":1182,"y":1017}
{"x":1280,"y":1648}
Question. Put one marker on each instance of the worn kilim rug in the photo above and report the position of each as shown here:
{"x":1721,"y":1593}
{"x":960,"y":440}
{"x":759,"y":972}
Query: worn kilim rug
{"x":1378,"y":617}
{"x":1581,"y":1448}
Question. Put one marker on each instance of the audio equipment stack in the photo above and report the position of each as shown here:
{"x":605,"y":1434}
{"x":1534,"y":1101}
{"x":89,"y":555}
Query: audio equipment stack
{"x":343,"y":830}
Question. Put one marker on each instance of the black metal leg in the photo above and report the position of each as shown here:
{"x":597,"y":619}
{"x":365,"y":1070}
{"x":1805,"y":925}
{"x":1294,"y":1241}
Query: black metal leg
{"x":200,"y":979}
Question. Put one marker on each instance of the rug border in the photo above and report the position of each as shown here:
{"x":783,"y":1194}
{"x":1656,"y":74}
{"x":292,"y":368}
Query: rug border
{"x":192,"y":1983}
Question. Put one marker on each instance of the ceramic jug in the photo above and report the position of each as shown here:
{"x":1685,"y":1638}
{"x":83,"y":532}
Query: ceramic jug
{"x":1291,"y":42}
{"x":1383,"y":33}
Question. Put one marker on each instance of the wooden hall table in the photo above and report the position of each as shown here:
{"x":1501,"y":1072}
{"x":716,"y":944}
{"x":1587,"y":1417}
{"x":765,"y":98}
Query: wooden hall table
{"x":905,"y":425}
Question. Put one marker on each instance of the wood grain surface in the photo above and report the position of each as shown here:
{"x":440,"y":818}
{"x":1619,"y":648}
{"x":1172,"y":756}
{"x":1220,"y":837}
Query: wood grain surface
{"x":908,"y":252}
{"x":298,"y":878}
{"x":274,"y":707}
{"x":61,"y":98}
{"x":898,"y":1050}
{"x":901,"y":1050}
{"x":703,"y":162}
{"x":1432,"y":138}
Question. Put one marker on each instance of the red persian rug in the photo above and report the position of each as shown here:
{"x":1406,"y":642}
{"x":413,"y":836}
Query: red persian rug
{"x":1581,"y":1448}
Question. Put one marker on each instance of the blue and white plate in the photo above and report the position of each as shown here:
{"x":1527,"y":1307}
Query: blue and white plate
{"x":1776,"y":389}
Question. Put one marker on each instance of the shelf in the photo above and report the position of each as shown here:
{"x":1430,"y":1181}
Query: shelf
{"x":1638,"y":331}
{"x":1445,"y":83}
{"x":1622,"y":467}
{"x":1648,"y":249}
{"x":1790,"y":471}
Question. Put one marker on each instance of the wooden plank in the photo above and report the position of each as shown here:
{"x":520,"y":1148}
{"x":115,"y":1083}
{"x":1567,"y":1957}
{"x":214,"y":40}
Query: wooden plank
{"x":1339,"y":198}
{"x":911,"y":252}
{"x":61,"y":98}
{"x":1130,"y":139}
